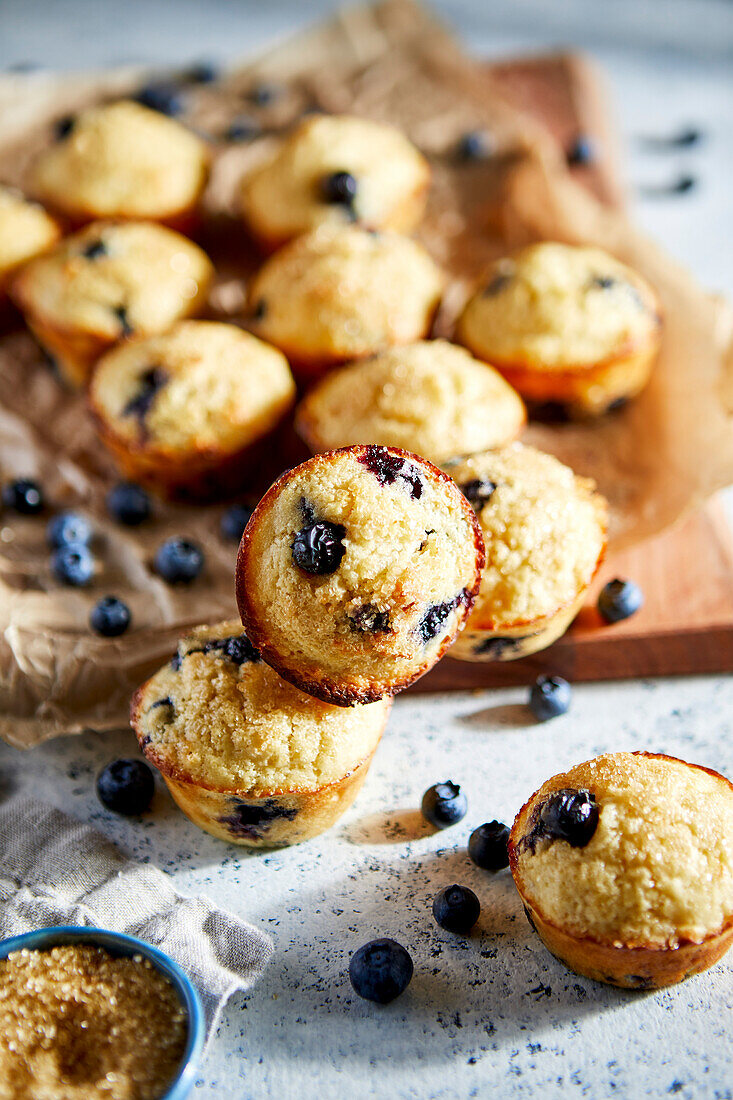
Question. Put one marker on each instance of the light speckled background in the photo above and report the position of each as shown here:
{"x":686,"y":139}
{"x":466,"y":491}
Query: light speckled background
{"x":493,"y":1014}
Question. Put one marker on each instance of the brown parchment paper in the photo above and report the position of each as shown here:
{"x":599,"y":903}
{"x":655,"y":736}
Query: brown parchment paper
{"x":655,"y":460}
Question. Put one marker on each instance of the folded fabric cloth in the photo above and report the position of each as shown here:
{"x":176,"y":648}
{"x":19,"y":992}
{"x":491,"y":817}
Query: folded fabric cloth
{"x":55,"y":870}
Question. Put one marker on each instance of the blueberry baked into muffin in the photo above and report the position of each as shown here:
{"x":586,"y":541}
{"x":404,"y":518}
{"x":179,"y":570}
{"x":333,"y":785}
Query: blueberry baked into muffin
{"x":122,"y":160}
{"x":25,"y":231}
{"x":339,"y":294}
{"x":190,"y":412}
{"x":565,"y":325}
{"x":430,"y":397}
{"x":545,"y":535}
{"x":333,"y":170}
{"x":357,"y":570}
{"x":108,"y":282}
{"x":246,"y":756}
{"x":625,"y":867}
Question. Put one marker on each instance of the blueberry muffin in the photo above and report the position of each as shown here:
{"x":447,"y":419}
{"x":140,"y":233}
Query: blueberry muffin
{"x":332,"y":170}
{"x":26,"y":230}
{"x":565,"y":325}
{"x":339,"y":294}
{"x":188,"y":413}
{"x":430,"y":397}
{"x":356,"y":572}
{"x":122,"y":160}
{"x":108,"y":282}
{"x":545,"y":534}
{"x":246,"y":756}
{"x":625,"y":867}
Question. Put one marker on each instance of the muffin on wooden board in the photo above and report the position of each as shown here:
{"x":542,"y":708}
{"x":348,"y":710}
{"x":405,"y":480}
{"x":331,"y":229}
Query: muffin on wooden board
{"x":545,"y":535}
{"x":334,"y":170}
{"x":122,"y":160}
{"x":566,"y":325}
{"x":188,"y":413}
{"x":356,"y":572}
{"x":625,"y":867}
{"x":431,"y":397}
{"x":246,"y":756}
{"x":334,"y":295}
{"x":109,"y":282}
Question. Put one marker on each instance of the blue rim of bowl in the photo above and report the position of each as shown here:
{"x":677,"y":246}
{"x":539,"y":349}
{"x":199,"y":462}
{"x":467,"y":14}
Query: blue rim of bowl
{"x":118,"y":943}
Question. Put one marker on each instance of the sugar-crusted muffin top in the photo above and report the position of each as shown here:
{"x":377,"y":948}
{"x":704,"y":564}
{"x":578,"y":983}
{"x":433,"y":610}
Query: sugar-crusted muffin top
{"x":25,"y":230}
{"x":345,"y":293}
{"x":553,"y":306}
{"x":289,"y":194}
{"x":219,"y":716}
{"x":430,"y":397}
{"x":659,"y":866}
{"x":114,"y":279}
{"x":396,"y":555}
{"x":544,"y":530}
{"x":122,"y":160}
{"x":202,"y":386}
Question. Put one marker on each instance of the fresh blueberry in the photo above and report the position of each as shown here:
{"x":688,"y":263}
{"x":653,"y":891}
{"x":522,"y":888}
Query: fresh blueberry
{"x":63,"y":127}
{"x":68,"y":527}
{"x":569,"y":815}
{"x":444,"y":804}
{"x":179,"y":561}
{"x":242,"y":129}
{"x":487,"y":846}
{"x":339,"y":187}
{"x":24,"y":496}
{"x":549,"y":697}
{"x":581,"y":151}
{"x":128,"y":504}
{"x":264,"y":93}
{"x":319,"y":548}
{"x":126,"y":787}
{"x":474,"y":145}
{"x":234,"y":521}
{"x":166,"y":98}
{"x":73,"y":564}
{"x":380,"y":970}
{"x":619,"y":599}
{"x":456,"y":908}
{"x":110,"y":617}
{"x":203,"y":72}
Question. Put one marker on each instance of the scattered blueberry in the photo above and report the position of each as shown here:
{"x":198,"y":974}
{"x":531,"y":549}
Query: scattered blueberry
{"x":569,"y":815}
{"x":380,"y":970}
{"x":149,"y":383}
{"x":110,"y":617}
{"x":435,"y":617}
{"x":474,"y":145}
{"x":603,"y":282}
{"x":549,"y":697}
{"x":166,"y":98}
{"x":456,"y":908}
{"x":203,"y":72}
{"x":24,"y":496}
{"x":128,"y":503}
{"x":126,"y":787}
{"x":619,"y":599}
{"x":126,"y":329}
{"x":387,"y":467}
{"x":242,"y":129}
{"x":487,"y":846}
{"x":94,"y":249}
{"x":581,"y":151}
{"x":478,"y":492}
{"x":178,"y":561}
{"x":264,"y":93}
{"x":339,"y":187}
{"x":63,"y":127}
{"x":319,"y":548}
{"x":444,"y":804}
{"x":68,"y":527}
{"x":73,"y":564}
{"x":234,"y":521}
{"x":260,"y":310}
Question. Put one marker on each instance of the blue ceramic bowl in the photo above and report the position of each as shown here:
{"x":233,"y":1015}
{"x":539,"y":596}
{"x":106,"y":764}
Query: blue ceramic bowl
{"x":118,"y":944}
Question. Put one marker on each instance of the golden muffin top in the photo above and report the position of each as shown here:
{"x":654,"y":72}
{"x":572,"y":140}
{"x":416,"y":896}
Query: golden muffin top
{"x":25,"y":230}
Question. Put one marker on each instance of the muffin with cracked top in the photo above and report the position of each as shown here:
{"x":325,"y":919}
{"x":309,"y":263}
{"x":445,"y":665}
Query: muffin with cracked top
{"x":110,"y":281}
{"x":333,"y":170}
{"x":430,"y":397}
{"x":189,"y":413}
{"x":26,"y":230}
{"x":339,"y":294}
{"x":357,"y":570}
{"x":545,"y":535}
{"x":625,"y":867}
{"x":246,"y":756}
{"x":565,"y":325}
{"x":122,"y":160}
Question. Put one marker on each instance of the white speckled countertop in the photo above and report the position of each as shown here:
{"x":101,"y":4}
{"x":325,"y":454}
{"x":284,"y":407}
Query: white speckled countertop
{"x":493,"y":1014}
